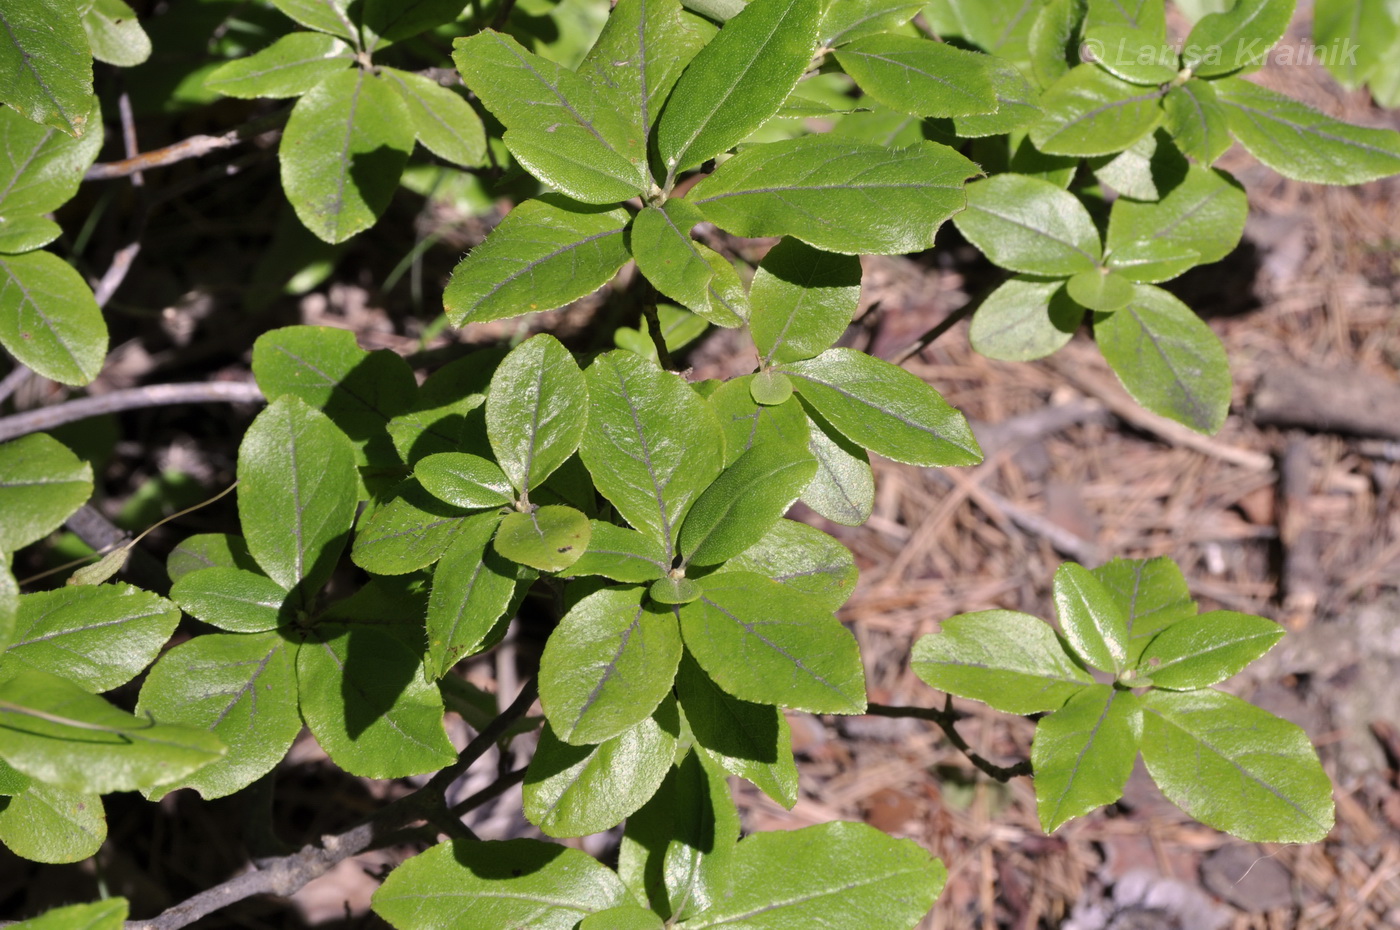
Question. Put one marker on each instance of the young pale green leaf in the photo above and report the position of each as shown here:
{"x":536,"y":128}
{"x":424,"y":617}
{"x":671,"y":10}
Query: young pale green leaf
{"x":49,"y":320}
{"x":27,"y":233}
{"x":753,"y":741}
{"x":1017,"y":104}
{"x":1090,"y":112}
{"x":41,"y":484}
{"x":54,"y":731}
{"x":673,"y":591}
{"x":44,"y":823}
{"x":843,"y":489}
{"x":443,"y":121}
{"x":621,"y":554}
{"x":296,"y":492}
{"x":838,"y":195}
{"x":1204,"y":214}
{"x":1012,"y":661}
{"x":1029,"y":225}
{"x":472,"y":590}
{"x":1236,"y":767}
{"x":535,"y":410}
{"x":1300,"y":143}
{"x":1226,"y":42}
{"x":40,"y":168}
{"x":805,"y":559}
{"x":47,"y":64}
{"x":623,"y":917}
{"x":652,"y":444}
{"x":546,"y":253}
{"x":549,"y":539}
{"x":1200,"y":651}
{"x":565,"y":130}
{"x":289,"y":67}
{"x":770,"y":388}
{"x":1094,"y":622}
{"x":847,"y":20}
{"x":803,"y":300}
{"x":607,"y":665}
{"x":1148,"y":261}
{"x":96,"y":636}
{"x":841,"y":874}
{"x":1197,"y":121}
{"x":464,"y":480}
{"x":497,"y":885}
{"x":327,"y":16}
{"x":1154,"y":594}
{"x":1025,"y":319}
{"x":1168,"y":359}
{"x":243,"y":689}
{"x":683,"y":269}
{"x":745,"y":500}
{"x":103,"y":915}
{"x":578,"y":790}
{"x":208,"y":550}
{"x":748,"y":424}
{"x":1146,"y":15}
{"x":363,"y":695}
{"x":1100,"y":289}
{"x":766,"y":642}
{"x":737,"y":81}
{"x":919,"y":76}
{"x":411,"y":531}
{"x":884,"y":408}
{"x":679,"y":328}
{"x":1369,"y":30}
{"x":1084,"y":752}
{"x":342,"y":152}
{"x":1051,"y":42}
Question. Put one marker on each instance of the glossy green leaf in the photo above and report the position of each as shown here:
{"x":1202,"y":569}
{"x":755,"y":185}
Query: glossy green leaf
{"x":672,"y":590}
{"x":745,"y":500}
{"x":442,"y":119}
{"x":535,"y":410}
{"x":1154,"y":594}
{"x":884,"y":408}
{"x":388,"y":21}
{"x":296,"y":492}
{"x":1300,"y":143}
{"x":41,"y":484}
{"x":1204,"y":214}
{"x":114,"y":34}
{"x":103,"y":915}
{"x":1148,"y":261}
{"x":1100,"y":289}
{"x":1222,"y":43}
{"x":363,"y":696}
{"x":1147,"y":15}
{"x":849,"y":197}
{"x":1017,"y":104}
{"x":472,"y":589}
{"x":243,"y":689}
{"x":1197,"y":652}
{"x":578,"y":790}
{"x":1197,"y":121}
{"x":1029,"y":225}
{"x":48,"y":824}
{"x":410,"y":532}
{"x":1144,"y":171}
{"x":327,"y":16}
{"x":342,"y":152}
{"x":208,"y":550}
{"x":840,"y":874}
{"x":1236,"y":767}
{"x":683,"y":269}
{"x":449,"y":413}
{"x":1051,"y":41}
{"x":464,"y":480}
{"x":621,"y":554}
{"x":497,"y":886}
{"x":607,"y":665}
{"x":1134,"y":55}
{"x":1090,"y":112}
{"x":1084,"y":752}
{"x":1170,"y":361}
{"x":47,"y":64}
{"x":40,"y":167}
{"x":49,"y":320}
{"x":1010,"y":660}
{"x":642,"y":51}
{"x":684,"y":839}
{"x":1094,"y":622}
{"x":26,"y":233}
{"x":998,"y":27}
{"x":55,"y":732}
{"x":770,"y":388}
{"x":843,"y":489}
{"x":803,"y":300}
{"x":763,"y":641}
{"x":543,"y":255}
{"x":679,"y":328}
{"x":737,"y":81}
{"x":748,"y":425}
{"x":803,"y":558}
{"x":1369,"y":30}
{"x":1025,"y":319}
{"x":624,"y":917}
{"x":9,"y":608}
{"x":847,"y":20}
{"x":919,"y":76}
{"x":549,"y":539}
{"x":96,"y":636}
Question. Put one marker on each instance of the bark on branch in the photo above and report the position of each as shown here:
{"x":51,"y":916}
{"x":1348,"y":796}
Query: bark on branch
{"x":153,"y":395}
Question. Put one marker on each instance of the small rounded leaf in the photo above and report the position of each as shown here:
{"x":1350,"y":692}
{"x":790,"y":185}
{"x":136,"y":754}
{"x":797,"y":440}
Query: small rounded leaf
{"x":770,"y":388}
{"x":550,"y":539}
{"x":670,"y":590}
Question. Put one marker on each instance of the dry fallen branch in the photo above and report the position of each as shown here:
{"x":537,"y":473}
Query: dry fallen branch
{"x":153,"y":395}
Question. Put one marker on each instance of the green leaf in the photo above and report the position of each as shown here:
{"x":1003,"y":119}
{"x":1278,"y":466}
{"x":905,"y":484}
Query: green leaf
{"x":607,"y":665}
{"x":208,"y":550}
{"x":578,"y":790}
{"x":622,"y":555}
{"x":841,"y":196}
{"x":1147,"y":15}
{"x":884,"y":408}
{"x":472,"y":590}
{"x":296,"y":493}
{"x":803,"y":300}
{"x":1154,"y":594}
{"x":683,"y":269}
{"x":1135,"y":55}
{"x":289,"y":67}
{"x":1204,"y":214}
{"x":48,"y":65}
{"x":764,"y":641}
{"x":1197,"y":121}
{"x":410,"y":532}
{"x":363,"y":696}
{"x":322,"y":15}
{"x":40,"y":167}
{"x":9,"y":608}
{"x":1051,"y":41}
{"x":642,"y":51}
{"x":1222,"y":43}
{"x":1367,"y":29}
{"x":1025,"y":319}
{"x":566,"y":131}
{"x":498,"y":886}
{"x":26,"y":233}
{"x":652,"y":444}
{"x":543,"y":255}
{"x":48,"y":824}
{"x":997,"y":27}
{"x":388,"y":21}
{"x":748,"y":425}
{"x":838,"y":874}
{"x":1084,"y":753}
{"x":1236,"y":767}
{"x":745,"y":500}
{"x":1145,"y":171}
{"x":1029,"y":225}
{"x":243,"y":689}
{"x":1010,"y":660}
{"x":96,"y":636}
{"x":1100,"y":290}
{"x":41,"y":484}
{"x":103,"y":915}
{"x":684,"y":839}
{"x":1151,"y":262}
{"x":847,"y":20}
{"x":342,"y":152}
{"x":549,"y":539}
{"x":843,"y":489}
{"x":1094,"y":622}
{"x":442,"y":120}
{"x":464,"y":480}
{"x":805,"y":559}
{"x":673,"y":591}
{"x":737,"y":81}
{"x":114,"y":34}
{"x":1197,"y":652}
{"x":623,"y":917}
{"x":1091,"y":112}
{"x":1168,"y":359}
{"x":1017,"y":104}
{"x":770,"y":388}
{"x":535,"y":410}
{"x":49,"y":320}
{"x":920,"y":77}
{"x":678,"y":327}
{"x":1300,"y":143}
{"x":445,"y":416}
{"x":55,"y":732}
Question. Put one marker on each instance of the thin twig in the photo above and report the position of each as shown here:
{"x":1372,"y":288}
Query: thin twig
{"x":264,"y":129}
{"x":502,"y":16}
{"x":492,"y":791}
{"x":13,"y":381}
{"x":653,"y":318}
{"x":946,"y":718}
{"x":153,"y":395}
{"x":947,"y":323}
{"x":484,"y":740}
